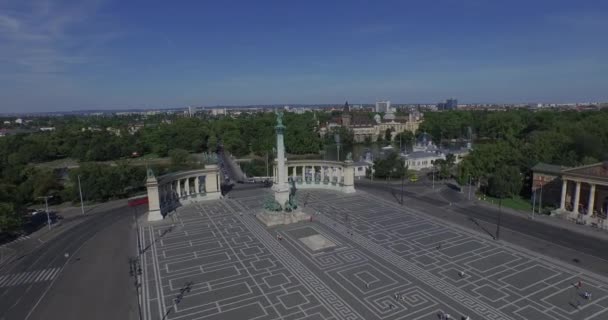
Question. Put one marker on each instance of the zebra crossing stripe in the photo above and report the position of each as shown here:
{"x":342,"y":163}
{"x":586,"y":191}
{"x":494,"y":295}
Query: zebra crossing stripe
{"x":28,"y":277}
{"x":55,"y":273}
{"x":48,"y":275}
{"x":42,"y":275}
{"x":14,"y":280}
{"x":4,"y":278}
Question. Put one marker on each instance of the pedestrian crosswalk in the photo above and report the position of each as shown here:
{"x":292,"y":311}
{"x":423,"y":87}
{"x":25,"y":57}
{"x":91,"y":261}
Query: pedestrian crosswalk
{"x":17,"y":279}
{"x":22,"y":238}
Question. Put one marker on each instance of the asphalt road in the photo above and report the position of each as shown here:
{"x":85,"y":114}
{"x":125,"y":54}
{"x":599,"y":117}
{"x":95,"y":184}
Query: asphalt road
{"x":93,"y":283}
{"x":569,"y":246}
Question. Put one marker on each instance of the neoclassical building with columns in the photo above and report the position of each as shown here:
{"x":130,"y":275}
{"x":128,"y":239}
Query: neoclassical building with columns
{"x":583,"y":193}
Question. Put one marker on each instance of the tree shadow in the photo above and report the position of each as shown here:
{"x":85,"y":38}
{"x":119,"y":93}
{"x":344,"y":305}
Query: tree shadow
{"x":164,"y":233}
{"x":482,"y":228}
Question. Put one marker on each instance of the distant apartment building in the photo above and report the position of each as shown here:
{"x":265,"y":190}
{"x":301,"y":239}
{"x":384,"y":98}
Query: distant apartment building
{"x":449,"y":104}
{"x":383,"y":106}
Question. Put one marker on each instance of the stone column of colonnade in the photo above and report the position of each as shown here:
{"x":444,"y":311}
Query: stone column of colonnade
{"x":591,"y":202}
{"x":562,"y":203}
{"x":577,"y":197}
{"x":187,"y":186}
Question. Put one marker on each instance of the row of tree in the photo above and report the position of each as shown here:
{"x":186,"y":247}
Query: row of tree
{"x":508,"y":144}
{"x":87,"y":140}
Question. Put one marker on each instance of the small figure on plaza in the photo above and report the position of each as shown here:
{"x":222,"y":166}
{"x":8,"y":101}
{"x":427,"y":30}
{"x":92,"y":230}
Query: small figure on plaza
{"x":349,"y":156}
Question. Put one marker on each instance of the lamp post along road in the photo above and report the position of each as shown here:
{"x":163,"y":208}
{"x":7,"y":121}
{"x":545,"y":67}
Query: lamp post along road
{"x":533,"y":202}
{"x":46,"y":203}
{"x":80,"y":191}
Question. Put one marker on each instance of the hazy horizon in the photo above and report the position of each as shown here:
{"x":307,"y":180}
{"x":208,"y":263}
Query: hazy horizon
{"x":61,"y":56}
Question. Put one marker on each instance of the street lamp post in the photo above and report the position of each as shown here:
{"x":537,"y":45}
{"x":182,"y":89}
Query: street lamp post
{"x":80,"y":191}
{"x":337,"y":139}
{"x":470,"y":186}
{"x":533,"y":202}
{"x":403,"y":183}
{"x":540,"y":200}
{"x":433,"y":176}
{"x":46,"y":203}
{"x":499,"y":215}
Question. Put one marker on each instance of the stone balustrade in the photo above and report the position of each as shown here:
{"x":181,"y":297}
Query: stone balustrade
{"x":321,"y":174}
{"x":167,"y":192}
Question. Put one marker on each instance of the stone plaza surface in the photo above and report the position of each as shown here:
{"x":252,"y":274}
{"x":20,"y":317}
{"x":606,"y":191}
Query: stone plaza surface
{"x":215,"y":260}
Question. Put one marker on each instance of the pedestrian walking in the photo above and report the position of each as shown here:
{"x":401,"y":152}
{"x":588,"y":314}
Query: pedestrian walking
{"x":461,"y":274}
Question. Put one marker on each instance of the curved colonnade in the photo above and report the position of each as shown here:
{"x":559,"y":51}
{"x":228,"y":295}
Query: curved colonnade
{"x":321,"y":174}
{"x":170,"y":191}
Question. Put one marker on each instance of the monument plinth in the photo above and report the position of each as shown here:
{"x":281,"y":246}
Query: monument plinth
{"x":283,"y":207}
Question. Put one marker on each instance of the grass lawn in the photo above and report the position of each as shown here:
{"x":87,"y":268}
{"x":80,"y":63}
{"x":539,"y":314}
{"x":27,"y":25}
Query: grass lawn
{"x":517,"y":203}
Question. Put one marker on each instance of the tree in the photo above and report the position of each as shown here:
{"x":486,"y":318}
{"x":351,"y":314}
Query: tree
{"x":391,"y":166}
{"x":406,"y":138}
{"x":212,"y":143}
{"x":506,"y":182}
{"x":10,"y":220}
{"x":387,"y":135}
{"x":180,"y":158}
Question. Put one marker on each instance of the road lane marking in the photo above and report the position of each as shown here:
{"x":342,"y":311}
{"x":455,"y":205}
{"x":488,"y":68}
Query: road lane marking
{"x":20,"y":278}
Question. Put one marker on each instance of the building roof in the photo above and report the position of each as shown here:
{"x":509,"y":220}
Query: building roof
{"x":594,"y":171}
{"x":547,"y":168}
{"x":423,"y":154}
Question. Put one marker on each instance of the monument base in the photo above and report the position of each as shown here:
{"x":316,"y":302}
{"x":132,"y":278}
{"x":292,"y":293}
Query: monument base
{"x":155,"y":215}
{"x":273,"y":218}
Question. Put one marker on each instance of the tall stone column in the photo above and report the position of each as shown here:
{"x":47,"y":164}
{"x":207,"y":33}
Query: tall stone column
{"x":591,"y":202}
{"x":577,"y":196}
{"x":179,"y":188}
{"x":187,"y":186}
{"x":154,"y":213}
{"x":281,"y":189}
{"x":562,"y":203}
{"x":197,"y":187}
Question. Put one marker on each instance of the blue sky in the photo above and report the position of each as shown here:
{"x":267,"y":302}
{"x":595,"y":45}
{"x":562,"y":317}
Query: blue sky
{"x":85,"y":54}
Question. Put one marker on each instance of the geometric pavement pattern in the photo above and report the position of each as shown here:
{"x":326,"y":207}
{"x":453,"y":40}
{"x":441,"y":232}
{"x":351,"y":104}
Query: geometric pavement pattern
{"x":216,"y":261}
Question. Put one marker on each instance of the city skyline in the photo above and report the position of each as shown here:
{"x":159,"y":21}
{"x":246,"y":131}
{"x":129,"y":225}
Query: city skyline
{"x":105,"y":54}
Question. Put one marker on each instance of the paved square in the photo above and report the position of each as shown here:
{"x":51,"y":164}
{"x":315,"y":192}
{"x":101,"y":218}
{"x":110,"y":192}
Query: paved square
{"x":361,"y":258}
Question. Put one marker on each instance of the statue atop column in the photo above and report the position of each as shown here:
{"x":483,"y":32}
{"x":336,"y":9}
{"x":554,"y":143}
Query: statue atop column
{"x":282,"y":208}
{"x":280,"y":119}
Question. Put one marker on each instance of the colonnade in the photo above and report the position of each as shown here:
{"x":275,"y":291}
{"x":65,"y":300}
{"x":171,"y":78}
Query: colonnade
{"x":320,"y":174}
{"x":584,"y":210}
{"x":176,"y":189}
